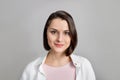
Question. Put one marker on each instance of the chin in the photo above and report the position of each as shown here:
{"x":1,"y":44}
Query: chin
{"x":59,"y":51}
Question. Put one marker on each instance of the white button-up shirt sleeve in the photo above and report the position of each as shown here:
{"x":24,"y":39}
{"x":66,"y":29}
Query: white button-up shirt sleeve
{"x":28,"y":73}
{"x":31,"y":70}
{"x":88,"y":70}
{"x":84,"y":70}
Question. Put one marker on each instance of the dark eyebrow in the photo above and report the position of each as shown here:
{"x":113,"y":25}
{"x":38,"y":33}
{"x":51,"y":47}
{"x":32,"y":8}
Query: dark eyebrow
{"x":53,"y":29}
{"x":67,"y":30}
{"x":57,"y":30}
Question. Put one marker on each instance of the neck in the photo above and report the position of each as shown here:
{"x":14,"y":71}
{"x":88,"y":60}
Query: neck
{"x":56,"y":56}
{"x":57,"y":59}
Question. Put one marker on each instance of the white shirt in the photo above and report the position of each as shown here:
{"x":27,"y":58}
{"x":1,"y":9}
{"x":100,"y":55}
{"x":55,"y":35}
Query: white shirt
{"x":34,"y":70}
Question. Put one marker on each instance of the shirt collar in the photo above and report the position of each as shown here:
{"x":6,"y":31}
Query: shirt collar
{"x":73,"y":57}
{"x":75,"y":60}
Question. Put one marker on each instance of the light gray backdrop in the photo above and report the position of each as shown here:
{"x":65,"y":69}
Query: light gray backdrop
{"x":97,"y":23}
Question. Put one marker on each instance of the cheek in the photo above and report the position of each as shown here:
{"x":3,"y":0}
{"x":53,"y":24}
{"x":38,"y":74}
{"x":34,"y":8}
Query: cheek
{"x":68,"y":41}
{"x":50,"y":39}
{"x":49,"y":42}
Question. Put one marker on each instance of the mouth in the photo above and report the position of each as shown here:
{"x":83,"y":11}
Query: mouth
{"x":59,"y":45}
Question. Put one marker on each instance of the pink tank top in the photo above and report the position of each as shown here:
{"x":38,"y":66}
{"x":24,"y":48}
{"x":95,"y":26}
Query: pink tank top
{"x":66,"y":72}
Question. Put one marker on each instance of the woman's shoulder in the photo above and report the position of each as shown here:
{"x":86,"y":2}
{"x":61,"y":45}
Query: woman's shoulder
{"x":84,"y":64}
{"x":34,"y":64}
{"x":80,"y":59}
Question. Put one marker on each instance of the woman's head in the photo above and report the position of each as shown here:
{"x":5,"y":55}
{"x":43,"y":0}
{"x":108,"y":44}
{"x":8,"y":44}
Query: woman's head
{"x":60,"y":32}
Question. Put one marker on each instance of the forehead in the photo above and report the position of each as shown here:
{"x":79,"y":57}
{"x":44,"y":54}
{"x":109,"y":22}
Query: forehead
{"x":59,"y":24}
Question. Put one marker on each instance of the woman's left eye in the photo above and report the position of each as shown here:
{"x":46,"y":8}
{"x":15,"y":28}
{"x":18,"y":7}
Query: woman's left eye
{"x":67,"y":33}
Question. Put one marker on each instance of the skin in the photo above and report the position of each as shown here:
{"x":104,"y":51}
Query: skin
{"x":58,"y":40}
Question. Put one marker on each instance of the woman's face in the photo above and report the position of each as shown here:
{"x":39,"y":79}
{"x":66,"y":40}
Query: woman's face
{"x":58,"y":35}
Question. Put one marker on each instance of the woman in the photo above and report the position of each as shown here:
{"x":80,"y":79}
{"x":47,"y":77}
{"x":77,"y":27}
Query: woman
{"x":60,"y":39}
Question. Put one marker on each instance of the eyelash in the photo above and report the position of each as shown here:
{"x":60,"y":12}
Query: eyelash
{"x":54,"y":32}
{"x":67,"y":33}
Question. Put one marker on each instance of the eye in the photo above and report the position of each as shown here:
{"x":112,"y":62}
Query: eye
{"x":53,"y":32}
{"x":67,"y":33}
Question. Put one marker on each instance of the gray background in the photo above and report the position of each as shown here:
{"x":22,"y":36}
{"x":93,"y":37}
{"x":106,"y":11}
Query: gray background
{"x":97,"y":23}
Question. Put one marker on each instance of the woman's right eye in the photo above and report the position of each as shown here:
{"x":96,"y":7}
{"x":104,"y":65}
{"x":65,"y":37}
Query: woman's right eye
{"x":53,"y":32}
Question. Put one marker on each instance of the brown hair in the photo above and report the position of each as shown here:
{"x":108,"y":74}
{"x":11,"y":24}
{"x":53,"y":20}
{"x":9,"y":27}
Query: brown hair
{"x":73,"y":34}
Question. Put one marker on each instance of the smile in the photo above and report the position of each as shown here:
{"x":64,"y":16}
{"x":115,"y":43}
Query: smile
{"x":59,"y":45}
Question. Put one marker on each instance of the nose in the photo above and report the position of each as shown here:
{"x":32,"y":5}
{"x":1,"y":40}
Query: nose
{"x":60,"y":37}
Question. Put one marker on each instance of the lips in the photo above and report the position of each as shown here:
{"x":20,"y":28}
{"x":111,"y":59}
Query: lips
{"x":59,"y":45}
